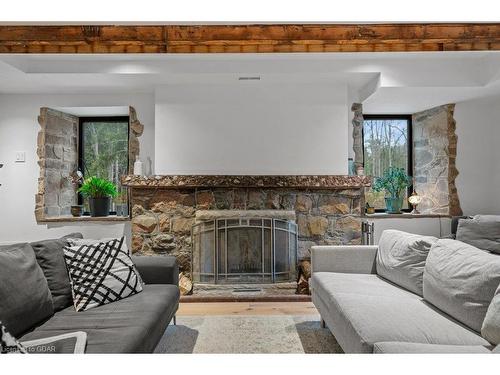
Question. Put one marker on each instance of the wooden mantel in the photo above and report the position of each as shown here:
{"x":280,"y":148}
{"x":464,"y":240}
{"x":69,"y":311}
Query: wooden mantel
{"x":247,"y":181}
{"x":250,"y":38}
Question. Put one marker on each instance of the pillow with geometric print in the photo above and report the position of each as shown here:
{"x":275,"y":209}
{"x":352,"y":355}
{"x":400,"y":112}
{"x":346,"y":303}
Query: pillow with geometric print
{"x":100,"y":272}
{"x":8,"y":343}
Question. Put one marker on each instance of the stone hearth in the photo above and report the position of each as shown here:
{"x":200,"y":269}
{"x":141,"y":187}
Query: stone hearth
{"x":327,"y":209}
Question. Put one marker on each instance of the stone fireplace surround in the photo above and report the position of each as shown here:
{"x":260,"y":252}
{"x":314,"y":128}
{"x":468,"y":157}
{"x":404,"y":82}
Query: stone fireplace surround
{"x":328,"y":209}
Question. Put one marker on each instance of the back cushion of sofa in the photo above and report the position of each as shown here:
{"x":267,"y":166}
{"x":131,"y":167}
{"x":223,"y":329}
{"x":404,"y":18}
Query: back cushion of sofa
{"x":50,"y":257}
{"x":483,"y":234}
{"x":461,"y":280}
{"x":401,"y":258}
{"x":490,"y":329}
{"x":25,"y":298}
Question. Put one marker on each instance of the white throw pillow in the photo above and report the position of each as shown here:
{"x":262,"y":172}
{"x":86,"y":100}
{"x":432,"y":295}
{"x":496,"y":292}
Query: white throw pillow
{"x":461,"y":280}
{"x":401,"y":258}
{"x":491,"y":324}
{"x":484,"y":234}
{"x":88,"y":241}
{"x":100,"y":272}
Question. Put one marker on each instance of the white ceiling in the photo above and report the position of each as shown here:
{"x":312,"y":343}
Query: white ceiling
{"x":385,"y":82}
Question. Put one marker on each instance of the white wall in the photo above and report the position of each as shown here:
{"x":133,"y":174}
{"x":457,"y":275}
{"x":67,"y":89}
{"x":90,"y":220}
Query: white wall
{"x":478,"y":155}
{"x":18,"y":132}
{"x":251,"y":128}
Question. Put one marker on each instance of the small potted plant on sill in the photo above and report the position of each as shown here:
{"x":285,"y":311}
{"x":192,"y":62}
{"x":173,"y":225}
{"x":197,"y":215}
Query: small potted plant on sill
{"x":393,"y":182}
{"x":99,"y":191}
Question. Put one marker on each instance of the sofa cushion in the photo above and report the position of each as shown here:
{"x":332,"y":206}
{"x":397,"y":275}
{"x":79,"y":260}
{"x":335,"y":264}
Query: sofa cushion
{"x":100,"y":273}
{"x":490,"y":329}
{"x":327,"y":283}
{"x":132,"y":325}
{"x":361,"y":311}
{"x":461,"y":280}
{"x":401,"y":258}
{"x":481,"y":234}
{"x":50,"y":257}
{"x":25,"y":298}
{"x":416,"y":348}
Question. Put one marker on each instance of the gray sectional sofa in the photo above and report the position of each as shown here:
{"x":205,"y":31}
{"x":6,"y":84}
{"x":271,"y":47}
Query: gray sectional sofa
{"x":36,"y":272}
{"x":409,"y":294}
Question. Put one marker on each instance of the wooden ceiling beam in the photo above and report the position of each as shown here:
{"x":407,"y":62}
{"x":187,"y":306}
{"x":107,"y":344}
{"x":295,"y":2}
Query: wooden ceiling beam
{"x":249,"y":38}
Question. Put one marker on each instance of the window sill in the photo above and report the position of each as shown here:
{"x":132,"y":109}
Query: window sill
{"x":63,"y":219}
{"x":404,"y":215}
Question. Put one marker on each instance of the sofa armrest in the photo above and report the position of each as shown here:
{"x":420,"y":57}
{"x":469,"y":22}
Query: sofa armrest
{"x":157,"y":269}
{"x":344,"y":259}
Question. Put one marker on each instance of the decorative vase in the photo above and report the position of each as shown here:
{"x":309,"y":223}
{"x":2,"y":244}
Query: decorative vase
{"x":138,"y":166}
{"x":393,"y":205}
{"x":77,"y":211}
{"x":99,"y":206}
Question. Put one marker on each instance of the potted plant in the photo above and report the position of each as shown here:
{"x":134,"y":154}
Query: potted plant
{"x":99,"y":191}
{"x":393,"y":182}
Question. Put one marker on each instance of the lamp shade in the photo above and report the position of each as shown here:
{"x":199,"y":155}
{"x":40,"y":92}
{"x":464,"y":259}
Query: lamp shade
{"x":414,"y":199}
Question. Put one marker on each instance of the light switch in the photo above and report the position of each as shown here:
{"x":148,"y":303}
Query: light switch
{"x":20,"y":156}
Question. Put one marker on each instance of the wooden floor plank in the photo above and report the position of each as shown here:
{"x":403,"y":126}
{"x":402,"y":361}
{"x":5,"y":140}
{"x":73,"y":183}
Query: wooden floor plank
{"x":247,"y":308}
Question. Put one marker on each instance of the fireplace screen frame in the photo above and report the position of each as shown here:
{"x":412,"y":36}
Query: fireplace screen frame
{"x":211,"y":231}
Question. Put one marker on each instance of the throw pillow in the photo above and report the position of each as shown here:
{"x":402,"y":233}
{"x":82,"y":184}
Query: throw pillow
{"x":25,"y":298}
{"x":483,"y":234}
{"x":50,"y":257}
{"x":401,"y":258}
{"x":89,"y":241}
{"x":491,"y":324}
{"x":486,"y":218}
{"x":8,"y":343}
{"x":461,"y":280}
{"x":100,"y":273}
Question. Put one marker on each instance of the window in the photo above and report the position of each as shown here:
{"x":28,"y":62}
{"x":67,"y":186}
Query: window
{"x":103,"y":152}
{"x":387,"y":142}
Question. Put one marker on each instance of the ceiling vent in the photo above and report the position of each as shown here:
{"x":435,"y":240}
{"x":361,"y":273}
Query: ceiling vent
{"x":254,"y":78}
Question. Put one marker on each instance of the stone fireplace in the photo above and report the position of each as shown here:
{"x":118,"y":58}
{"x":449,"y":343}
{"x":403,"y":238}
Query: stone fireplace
{"x":318,"y":210}
{"x":240,"y":246}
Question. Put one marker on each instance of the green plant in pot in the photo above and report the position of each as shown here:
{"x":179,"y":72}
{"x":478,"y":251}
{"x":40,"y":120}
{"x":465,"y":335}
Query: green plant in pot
{"x":99,"y":191}
{"x":393,"y":182}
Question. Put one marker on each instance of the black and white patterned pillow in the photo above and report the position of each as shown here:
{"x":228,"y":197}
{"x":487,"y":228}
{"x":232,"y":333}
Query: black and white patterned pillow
{"x":8,"y":343}
{"x":100,"y":272}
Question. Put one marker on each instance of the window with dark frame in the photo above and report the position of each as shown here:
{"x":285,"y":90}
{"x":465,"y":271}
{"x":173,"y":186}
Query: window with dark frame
{"x":387,"y":142}
{"x":103,"y":148}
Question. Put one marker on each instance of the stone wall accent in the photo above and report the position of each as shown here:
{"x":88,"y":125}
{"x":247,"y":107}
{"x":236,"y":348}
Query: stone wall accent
{"x":57,"y":150}
{"x":434,"y":156}
{"x":357,"y":135}
{"x":162,"y":217}
{"x":136,"y":130}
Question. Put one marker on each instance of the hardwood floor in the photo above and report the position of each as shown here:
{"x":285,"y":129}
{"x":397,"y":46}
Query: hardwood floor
{"x":247,"y":308}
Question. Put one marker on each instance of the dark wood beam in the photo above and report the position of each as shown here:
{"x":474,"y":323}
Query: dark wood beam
{"x":250,"y":38}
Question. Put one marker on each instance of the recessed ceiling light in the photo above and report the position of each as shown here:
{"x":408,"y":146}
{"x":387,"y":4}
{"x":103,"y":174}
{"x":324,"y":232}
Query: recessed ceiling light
{"x":251,"y":78}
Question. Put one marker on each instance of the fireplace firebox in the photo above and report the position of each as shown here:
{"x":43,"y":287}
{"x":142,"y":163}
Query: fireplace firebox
{"x":244,"y":250}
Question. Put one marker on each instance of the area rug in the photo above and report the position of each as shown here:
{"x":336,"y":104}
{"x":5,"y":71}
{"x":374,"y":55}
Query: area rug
{"x":248,"y":334}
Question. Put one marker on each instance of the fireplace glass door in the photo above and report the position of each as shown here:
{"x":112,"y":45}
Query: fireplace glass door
{"x":256,"y":250}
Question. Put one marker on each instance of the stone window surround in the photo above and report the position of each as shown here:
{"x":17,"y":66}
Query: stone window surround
{"x":136,"y":129}
{"x":454,"y":201}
